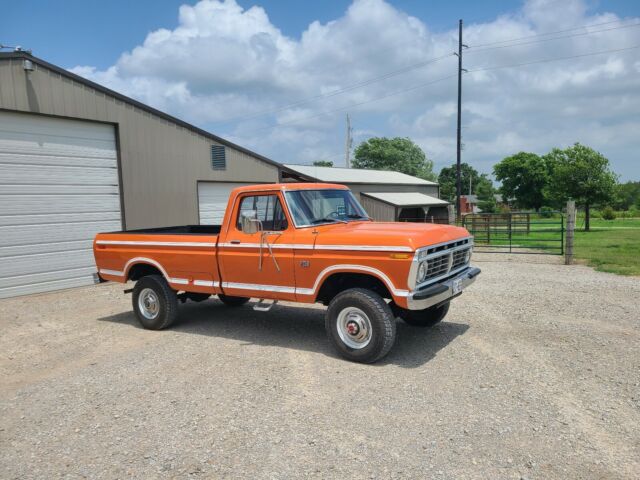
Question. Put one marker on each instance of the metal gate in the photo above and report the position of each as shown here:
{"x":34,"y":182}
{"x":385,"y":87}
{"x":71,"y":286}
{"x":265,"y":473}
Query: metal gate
{"x":517,"y":232}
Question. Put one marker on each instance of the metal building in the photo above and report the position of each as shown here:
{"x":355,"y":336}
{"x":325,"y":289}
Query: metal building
{"x":77,"y":158}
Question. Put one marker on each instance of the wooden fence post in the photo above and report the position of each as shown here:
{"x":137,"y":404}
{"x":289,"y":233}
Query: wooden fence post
{"x":571,"y":227}
{"x":452,"y":214}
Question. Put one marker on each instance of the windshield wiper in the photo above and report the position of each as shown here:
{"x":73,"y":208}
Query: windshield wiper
{"x":327,"y":220}
{"x":358,"y":217}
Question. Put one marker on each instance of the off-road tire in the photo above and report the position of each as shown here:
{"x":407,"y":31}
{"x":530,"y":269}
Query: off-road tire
{"x":166,"y":298}
{"x":233,"y":301}
{"x":381,"y":319}
{"x":422,"y":318}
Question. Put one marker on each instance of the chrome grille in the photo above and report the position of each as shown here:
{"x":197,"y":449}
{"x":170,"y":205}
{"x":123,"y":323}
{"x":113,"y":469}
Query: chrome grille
{"x":437,"y":266}
{"x":459,"y":258}
{"x":446,"y":258}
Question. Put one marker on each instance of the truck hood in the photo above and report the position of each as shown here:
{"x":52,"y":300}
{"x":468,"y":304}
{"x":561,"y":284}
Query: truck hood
{"x":392,"y":234}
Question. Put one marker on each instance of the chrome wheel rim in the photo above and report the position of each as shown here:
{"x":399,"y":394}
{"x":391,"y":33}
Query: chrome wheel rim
{"x":354,"y":328}
{"x":148,"y":304}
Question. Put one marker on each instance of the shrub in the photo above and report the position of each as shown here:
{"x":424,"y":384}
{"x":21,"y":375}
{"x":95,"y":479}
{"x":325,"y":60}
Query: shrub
{"x":608,"y":213}
{"x":546,"y":212}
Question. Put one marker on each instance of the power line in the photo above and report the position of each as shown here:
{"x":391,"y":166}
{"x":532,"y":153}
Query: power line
{"x":474,"y":50}
{"x":553,"y":59}
{"x":547,"y":33}
{"x":416,"y":87}
{"x":339,"y":91}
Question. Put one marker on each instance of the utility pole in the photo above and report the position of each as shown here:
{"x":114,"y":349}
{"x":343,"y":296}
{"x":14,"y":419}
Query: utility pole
{"x":348,"y":143}
{"x":459,"y":138}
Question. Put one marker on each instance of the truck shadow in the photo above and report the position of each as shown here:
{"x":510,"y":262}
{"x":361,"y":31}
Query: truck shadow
{"x":297,"y":328}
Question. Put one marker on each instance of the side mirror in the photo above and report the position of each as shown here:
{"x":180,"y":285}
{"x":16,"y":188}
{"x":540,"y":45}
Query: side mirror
{"x":250,"y":224}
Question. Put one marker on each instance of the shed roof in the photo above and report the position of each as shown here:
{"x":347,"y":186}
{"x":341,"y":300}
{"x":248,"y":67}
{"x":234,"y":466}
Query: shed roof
{"x":406,"y":199}
{"x":357,"y":175}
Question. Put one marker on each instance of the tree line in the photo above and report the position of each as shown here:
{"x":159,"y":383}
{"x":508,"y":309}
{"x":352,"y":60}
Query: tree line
{"x":528,"y":181}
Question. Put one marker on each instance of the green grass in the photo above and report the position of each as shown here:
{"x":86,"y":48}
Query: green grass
{"x":608,"y":249}
{"x":611,"y":246}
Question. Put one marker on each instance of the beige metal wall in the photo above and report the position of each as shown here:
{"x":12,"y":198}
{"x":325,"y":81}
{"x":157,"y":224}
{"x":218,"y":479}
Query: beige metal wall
{"x":379,"y":211}
{"x":161,"y":161}
{"x":358,"y":188}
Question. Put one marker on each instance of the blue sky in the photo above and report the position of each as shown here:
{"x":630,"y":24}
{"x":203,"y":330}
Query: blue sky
{"x":302,"y":52}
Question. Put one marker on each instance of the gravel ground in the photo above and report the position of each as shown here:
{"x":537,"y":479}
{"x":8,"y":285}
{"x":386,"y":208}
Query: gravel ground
{"x":534,"y":374}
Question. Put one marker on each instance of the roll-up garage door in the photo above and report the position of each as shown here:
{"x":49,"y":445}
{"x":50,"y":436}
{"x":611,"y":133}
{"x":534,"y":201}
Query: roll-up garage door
{"x":212,"y":200}
{"x":58,"y":188}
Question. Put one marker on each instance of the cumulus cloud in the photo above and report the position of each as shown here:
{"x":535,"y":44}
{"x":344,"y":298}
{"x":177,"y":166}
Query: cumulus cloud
{"x":232,"y":71}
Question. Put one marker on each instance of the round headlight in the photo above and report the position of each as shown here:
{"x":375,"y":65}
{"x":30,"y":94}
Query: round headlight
{"x":467,"y":257}
{"x":422,"y":271}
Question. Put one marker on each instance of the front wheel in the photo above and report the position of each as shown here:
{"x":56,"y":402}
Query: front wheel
{"x":360,"y":325}
{"x":422,"y":318}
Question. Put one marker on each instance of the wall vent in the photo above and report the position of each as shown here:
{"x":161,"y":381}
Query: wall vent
{"x":218,"y":157}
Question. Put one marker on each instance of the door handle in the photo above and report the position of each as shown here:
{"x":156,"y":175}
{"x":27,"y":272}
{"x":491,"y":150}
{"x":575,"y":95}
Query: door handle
{"x":235,"y":242}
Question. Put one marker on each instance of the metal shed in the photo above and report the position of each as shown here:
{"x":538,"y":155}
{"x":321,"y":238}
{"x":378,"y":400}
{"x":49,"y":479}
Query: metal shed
{"x":405,"y":207}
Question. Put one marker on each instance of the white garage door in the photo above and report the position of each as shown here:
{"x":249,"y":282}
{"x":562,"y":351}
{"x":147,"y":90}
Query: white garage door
{"x":213,"y":198}
{"x":58,"y":188}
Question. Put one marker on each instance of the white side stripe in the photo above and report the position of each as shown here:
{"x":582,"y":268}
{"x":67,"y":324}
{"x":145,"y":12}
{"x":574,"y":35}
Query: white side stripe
{"x":205,"y":283}
{"x":366,"y":248}
{"x":158,"y":244}
{"x":302,"y":246}
{"x":298,"y":246}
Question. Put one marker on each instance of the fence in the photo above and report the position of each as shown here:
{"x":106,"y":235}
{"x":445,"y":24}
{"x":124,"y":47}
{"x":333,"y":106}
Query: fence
{"x":517,"y":232}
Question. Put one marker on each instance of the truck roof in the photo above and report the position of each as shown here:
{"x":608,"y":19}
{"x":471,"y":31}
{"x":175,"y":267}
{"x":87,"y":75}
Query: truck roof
{"x":290,"y":186}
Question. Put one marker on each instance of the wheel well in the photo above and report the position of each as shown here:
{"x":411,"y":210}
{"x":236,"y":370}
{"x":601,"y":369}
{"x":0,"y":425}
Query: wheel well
{"x":140,"y":270}
{"x":338,"y":282}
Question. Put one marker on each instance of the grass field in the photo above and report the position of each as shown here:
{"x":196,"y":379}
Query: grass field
{"x":611,"y":245}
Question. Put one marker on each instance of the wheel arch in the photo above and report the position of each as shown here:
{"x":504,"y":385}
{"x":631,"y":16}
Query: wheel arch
{"x":139,"y":267}
{"x":333,"y":282}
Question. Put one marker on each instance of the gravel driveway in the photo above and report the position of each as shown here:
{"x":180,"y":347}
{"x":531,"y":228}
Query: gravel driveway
{"x":534,"y":374}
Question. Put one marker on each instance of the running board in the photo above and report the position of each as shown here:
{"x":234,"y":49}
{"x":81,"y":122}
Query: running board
{"x":263,"y":306}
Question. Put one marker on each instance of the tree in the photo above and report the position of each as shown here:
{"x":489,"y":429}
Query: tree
{"x":323,"y":163}
{"x":485,"y":192}
{"x":447,"y":181}
{"x":397,"y":154}
{"x":627,"y":195}
{"x":580,"y":173}
{"x":524,"y":176}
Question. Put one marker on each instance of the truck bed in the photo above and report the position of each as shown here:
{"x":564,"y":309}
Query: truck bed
{"x":185,"y":255}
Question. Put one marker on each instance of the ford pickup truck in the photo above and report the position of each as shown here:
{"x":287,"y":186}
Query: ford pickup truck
{"x":298,"y":242}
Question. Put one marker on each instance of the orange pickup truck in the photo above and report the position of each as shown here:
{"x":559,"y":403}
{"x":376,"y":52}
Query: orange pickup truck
{"x":303,"y":243}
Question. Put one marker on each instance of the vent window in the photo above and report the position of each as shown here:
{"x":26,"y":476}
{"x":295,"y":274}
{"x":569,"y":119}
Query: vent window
{"x":218,"y":157}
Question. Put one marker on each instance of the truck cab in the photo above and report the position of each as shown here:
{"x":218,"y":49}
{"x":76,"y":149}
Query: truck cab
{"x":303,"y":243}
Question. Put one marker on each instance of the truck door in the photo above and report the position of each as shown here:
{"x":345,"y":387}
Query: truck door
{"x":258,"y":264}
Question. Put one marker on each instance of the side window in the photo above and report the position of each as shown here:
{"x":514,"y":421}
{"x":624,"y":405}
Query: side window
{"x":266,"y":208}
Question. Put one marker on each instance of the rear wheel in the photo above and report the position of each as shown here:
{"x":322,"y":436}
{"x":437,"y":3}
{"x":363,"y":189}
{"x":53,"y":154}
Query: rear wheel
{"x":154,"y":302}
{"x":360,"y":325}
{"x":233,"y":301}
{"x":422,"y":318}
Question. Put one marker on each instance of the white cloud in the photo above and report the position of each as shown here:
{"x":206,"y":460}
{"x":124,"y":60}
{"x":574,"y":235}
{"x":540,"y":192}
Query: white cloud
{"x":223,"y":64}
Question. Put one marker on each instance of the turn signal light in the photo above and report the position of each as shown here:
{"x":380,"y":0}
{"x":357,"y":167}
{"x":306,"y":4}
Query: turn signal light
{"x":400,"y":256}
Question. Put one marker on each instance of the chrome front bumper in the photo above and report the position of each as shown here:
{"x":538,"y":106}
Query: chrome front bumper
{"x":442,"y":291}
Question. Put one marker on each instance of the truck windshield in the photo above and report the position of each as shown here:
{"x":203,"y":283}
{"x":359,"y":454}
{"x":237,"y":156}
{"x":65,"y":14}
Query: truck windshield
{"x":314,"y":207}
